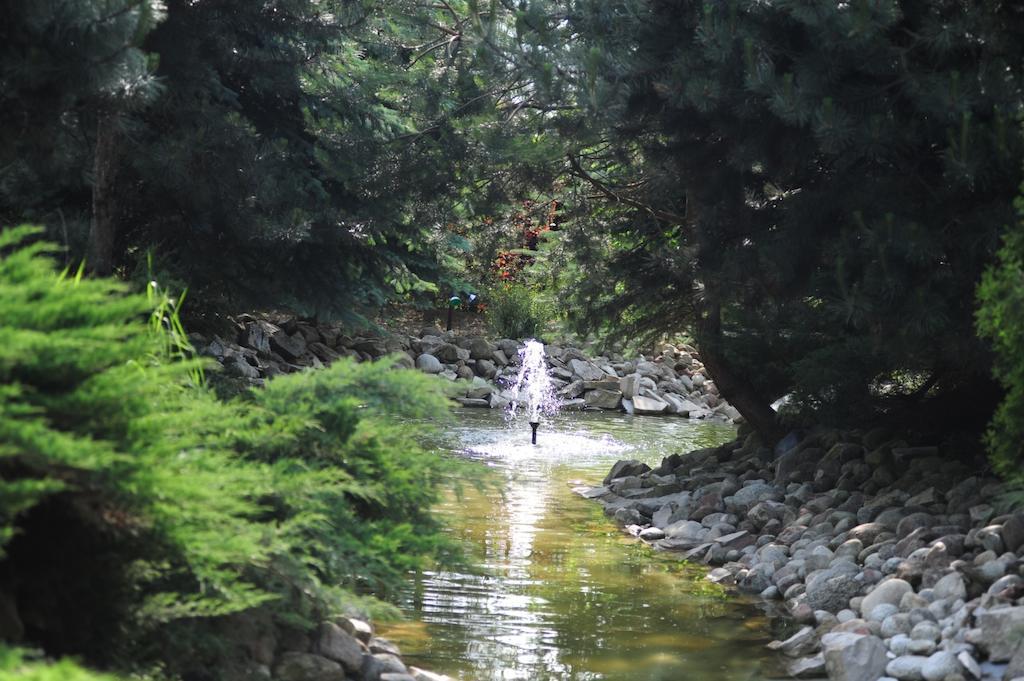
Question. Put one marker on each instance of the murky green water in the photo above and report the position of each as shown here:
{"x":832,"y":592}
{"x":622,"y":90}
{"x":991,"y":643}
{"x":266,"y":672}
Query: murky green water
{"x":563,"y":594}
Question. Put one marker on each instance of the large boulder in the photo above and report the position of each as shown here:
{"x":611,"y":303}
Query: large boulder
{"x":831,"y":594}
{"x":890,"y":591}
{"x":378,"y":665}
{"x":650,"y":406}
{"x":291,"y":347}
{"x":1013,"y":533}
{"x":236,"y":365}
{"x":626,"y":468}
{"x":485,"y":368}
{"x":941,"y":665}
{"x":429,"y":364}
{"x":586,"y":371}
{"x":509,"y":347}
{"x":1002,"y":631}
{"x":448,"y":353}
{"x":853,"y":657}
{"x":374,"y":347}
{"x":336,"y":644}
{"x":481,"y":349}
{"x":256,"y":335}
{"x":629,"y":385}
{"x":803,"y":642}
{"x":603,"y":399}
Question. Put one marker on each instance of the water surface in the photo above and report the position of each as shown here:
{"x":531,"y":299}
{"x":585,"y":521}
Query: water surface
{"x":562,"y":594}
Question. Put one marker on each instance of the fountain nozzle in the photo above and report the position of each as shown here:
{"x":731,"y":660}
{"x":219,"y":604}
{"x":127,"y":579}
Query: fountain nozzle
{"x":534,"y":425}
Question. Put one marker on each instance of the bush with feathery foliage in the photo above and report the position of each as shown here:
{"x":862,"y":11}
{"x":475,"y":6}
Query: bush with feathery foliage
{"x":134,"y":502}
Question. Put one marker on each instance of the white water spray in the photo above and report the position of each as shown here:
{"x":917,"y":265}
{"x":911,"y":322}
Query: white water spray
{"x":533,"y":387}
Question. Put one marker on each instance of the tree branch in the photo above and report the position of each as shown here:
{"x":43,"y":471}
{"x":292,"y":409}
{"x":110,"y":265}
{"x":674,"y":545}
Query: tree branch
{"x":664,"y":216}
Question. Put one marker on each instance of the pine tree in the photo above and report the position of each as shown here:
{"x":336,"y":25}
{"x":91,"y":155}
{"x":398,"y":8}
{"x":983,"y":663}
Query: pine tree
{"x":294,"y":153}
{"x":814,"y":189}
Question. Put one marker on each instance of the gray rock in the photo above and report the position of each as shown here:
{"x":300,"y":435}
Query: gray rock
{"x":290,"y":347}
{"x":429,"y":364}
{"x":1011,"y":582}
{"x":899,"y":644}
{"x":819,"y":558}
{"x":951,"y":587}
{"x":881,"y":612}
{"x":853,"y":657}
{"x":749,"y":495}
{"x":587,"y":371}
{"x":890,"y":591}
{"x":804,"y":642}
{"x":926,"y":631}
{"x":764,"y":511}
{"x":907,"y":668}
{"x":336,"y":644}
{"x":807,"y":667}
{"x":652,"y":534}
{"x":604,"y":399}
{"x":940,"y":665}
{"x":625,"y":468}
{"x":237,"y":366}
{"x":1013,"y":533}
{"x":509,"y":347}
{"x":991,"y":538}
{"x":757,"y":579}
{"x":630,"y":386}
{"x":913,"y":522}
{"x":968,"y":662}
{"x":480,"y":349}
{"x":485,"y":368}
{"x":867,"y":533}
{"x":650,"y":406}
{"x":831,"y":592}
{"x":686,"y":529}
{"x":1016,"y":667}
{"x":256,"y":335}
{"x":376,"y":665}
{"x":383,"y":645}
{"x":307,"y":667}
{"x":361,"y":629}
{"x":918,"y":646}
{"x":1001,"y":631}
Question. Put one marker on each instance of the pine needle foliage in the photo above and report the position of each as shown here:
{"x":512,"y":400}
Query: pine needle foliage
{"x":1001,"y":321}
{"x":177,"y":506}
{"x":14,"y":667}
{"x":813,"y":188}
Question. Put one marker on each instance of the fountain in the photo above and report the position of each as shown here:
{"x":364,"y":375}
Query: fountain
{"x":533,"y":388}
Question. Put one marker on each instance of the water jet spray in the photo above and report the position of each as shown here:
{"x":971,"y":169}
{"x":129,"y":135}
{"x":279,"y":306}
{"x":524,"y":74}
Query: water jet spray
{"x":533,"y":387}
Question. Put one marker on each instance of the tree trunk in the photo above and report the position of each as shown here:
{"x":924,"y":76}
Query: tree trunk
{"x":103,"y":228}
{"x":736,"y":390}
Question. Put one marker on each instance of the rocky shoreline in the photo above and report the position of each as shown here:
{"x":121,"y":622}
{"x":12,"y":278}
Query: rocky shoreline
{"x":672,"y":383}
{"x":338,"y":649}
{"x":890,"y":557}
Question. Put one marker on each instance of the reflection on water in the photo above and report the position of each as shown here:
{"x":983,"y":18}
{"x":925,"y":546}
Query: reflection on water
{"x":561,"y":593}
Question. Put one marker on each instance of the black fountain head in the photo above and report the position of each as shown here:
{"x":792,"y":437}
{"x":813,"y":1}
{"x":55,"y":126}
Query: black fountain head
{"x":534,"y":425}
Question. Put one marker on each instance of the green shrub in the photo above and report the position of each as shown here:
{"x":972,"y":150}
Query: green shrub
{"x":13,"y":667}
{"x":159,"y":505}
{"x":1001,"y":320}
{"x":514,"y":311}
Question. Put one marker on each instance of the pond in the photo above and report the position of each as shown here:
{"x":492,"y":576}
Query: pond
{"x":559,"y":591}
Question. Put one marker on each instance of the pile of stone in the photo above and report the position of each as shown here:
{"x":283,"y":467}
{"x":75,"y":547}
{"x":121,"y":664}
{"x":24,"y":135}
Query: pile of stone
{"x":672,"y":383}
{"x":891,"y":556}
{"x":342,"y":648}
